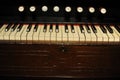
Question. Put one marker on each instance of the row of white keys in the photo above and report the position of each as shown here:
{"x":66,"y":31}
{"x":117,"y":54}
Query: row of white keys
{"x":110,"y":36}
{"x":116,"y":34}
{"x":7,"y":33}
{"x":98,"y":34}
{"x":13,"y":33}
{"x":82,"y":37}
{"x":2,"y":31}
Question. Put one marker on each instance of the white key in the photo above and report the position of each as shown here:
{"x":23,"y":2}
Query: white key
{"x":2,"y":31}
{"x":70,"y":34}
{"x":59,"y":34}
{"x":24,"y":34}
{"x":76,"y":34}
{"x":7,"y":34}
{"x":30,"y":34}
{"x":64,"y":34}
{"x":116,"y":34}
{"x":13,"y":33}
{"x":36,"y":34}
{"x":110,"y":36}
{"x":18,"y":34}
{"x":82,"y":37}
{"x":41,"y":34}
{"x":87,"y":35}
{"x":104,"y":35}
{"x":53,"y":34}
{"x":98,"y":34}
{"x":47,"y":34}
{"x":93,"y":35}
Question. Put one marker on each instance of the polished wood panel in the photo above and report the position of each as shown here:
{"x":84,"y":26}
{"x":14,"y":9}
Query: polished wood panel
{"x":69,"y":61}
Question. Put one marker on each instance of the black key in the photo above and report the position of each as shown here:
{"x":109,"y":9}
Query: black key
{"x":36,"y":28}
{"x":29,"y":28}
{"x":66,"y":29}
{"x":88,"y":29}
{"x":81,"y":28}
{"x":103,"y":29}
{"x":51,"y":28}
{"x":94,"y":29}
{"x":72,"y":29}
{"x":8,"y":27}
{"x":19,"y":27}
{"x":109,"y":28}
{"x":57,"y":28}
{"x":117,"y":28}
{"x":45,"y":28}
{"x":14,"y":27}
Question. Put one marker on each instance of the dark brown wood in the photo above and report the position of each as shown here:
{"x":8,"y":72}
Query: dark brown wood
{"x":63,"y":61}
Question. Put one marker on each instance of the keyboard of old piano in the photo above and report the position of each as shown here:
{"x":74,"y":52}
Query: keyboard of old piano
{"x":29,"y":34}
{"x":2,"y":31}
{"x":24,"y":34}
{"x":53,"y":34}
{"x":36,"y":33}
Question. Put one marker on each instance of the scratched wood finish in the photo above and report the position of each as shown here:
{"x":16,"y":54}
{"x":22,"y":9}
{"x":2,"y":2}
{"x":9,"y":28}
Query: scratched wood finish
{"x":68,"y":61}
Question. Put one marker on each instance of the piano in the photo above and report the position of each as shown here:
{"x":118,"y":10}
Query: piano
{"x":63,"y":39}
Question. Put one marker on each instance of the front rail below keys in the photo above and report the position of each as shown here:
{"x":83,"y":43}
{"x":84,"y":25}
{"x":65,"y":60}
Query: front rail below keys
{"x":69,"y":34}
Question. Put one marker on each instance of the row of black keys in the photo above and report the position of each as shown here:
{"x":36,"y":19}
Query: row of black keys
{"x":102,"y":27}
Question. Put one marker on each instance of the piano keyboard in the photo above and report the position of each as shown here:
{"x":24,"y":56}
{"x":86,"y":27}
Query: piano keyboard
{"x":59,"y":34}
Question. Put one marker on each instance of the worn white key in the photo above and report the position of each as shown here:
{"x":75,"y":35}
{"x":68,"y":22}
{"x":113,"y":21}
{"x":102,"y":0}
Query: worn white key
{"x":82,"y":37}
{"x":93,"y":35}
{"x":76,"y":34}
{"x":7,"y":34}
{"x":87,"y":35}
{"x":41,"y":34}
{"x":104,"y":35}
{"x":36,"y":34}
{"x":2,"y":31}
{"x":24,"y":34}
{"x":53,"y":34}
{"x":13,"y":33}
{"x":70,"y":34}
{"x":116,"y":34}
{"x":98,"y":34}
{"x":30,"y":33}
{"x":64,"y":34}
{"x":47,"y":34}
{"x":59,"y":34}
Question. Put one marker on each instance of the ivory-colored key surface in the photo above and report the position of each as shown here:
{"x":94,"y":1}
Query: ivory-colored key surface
{"x":53,"y":34}
{"x":2,"y":31}
{"x":59,"y":34}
